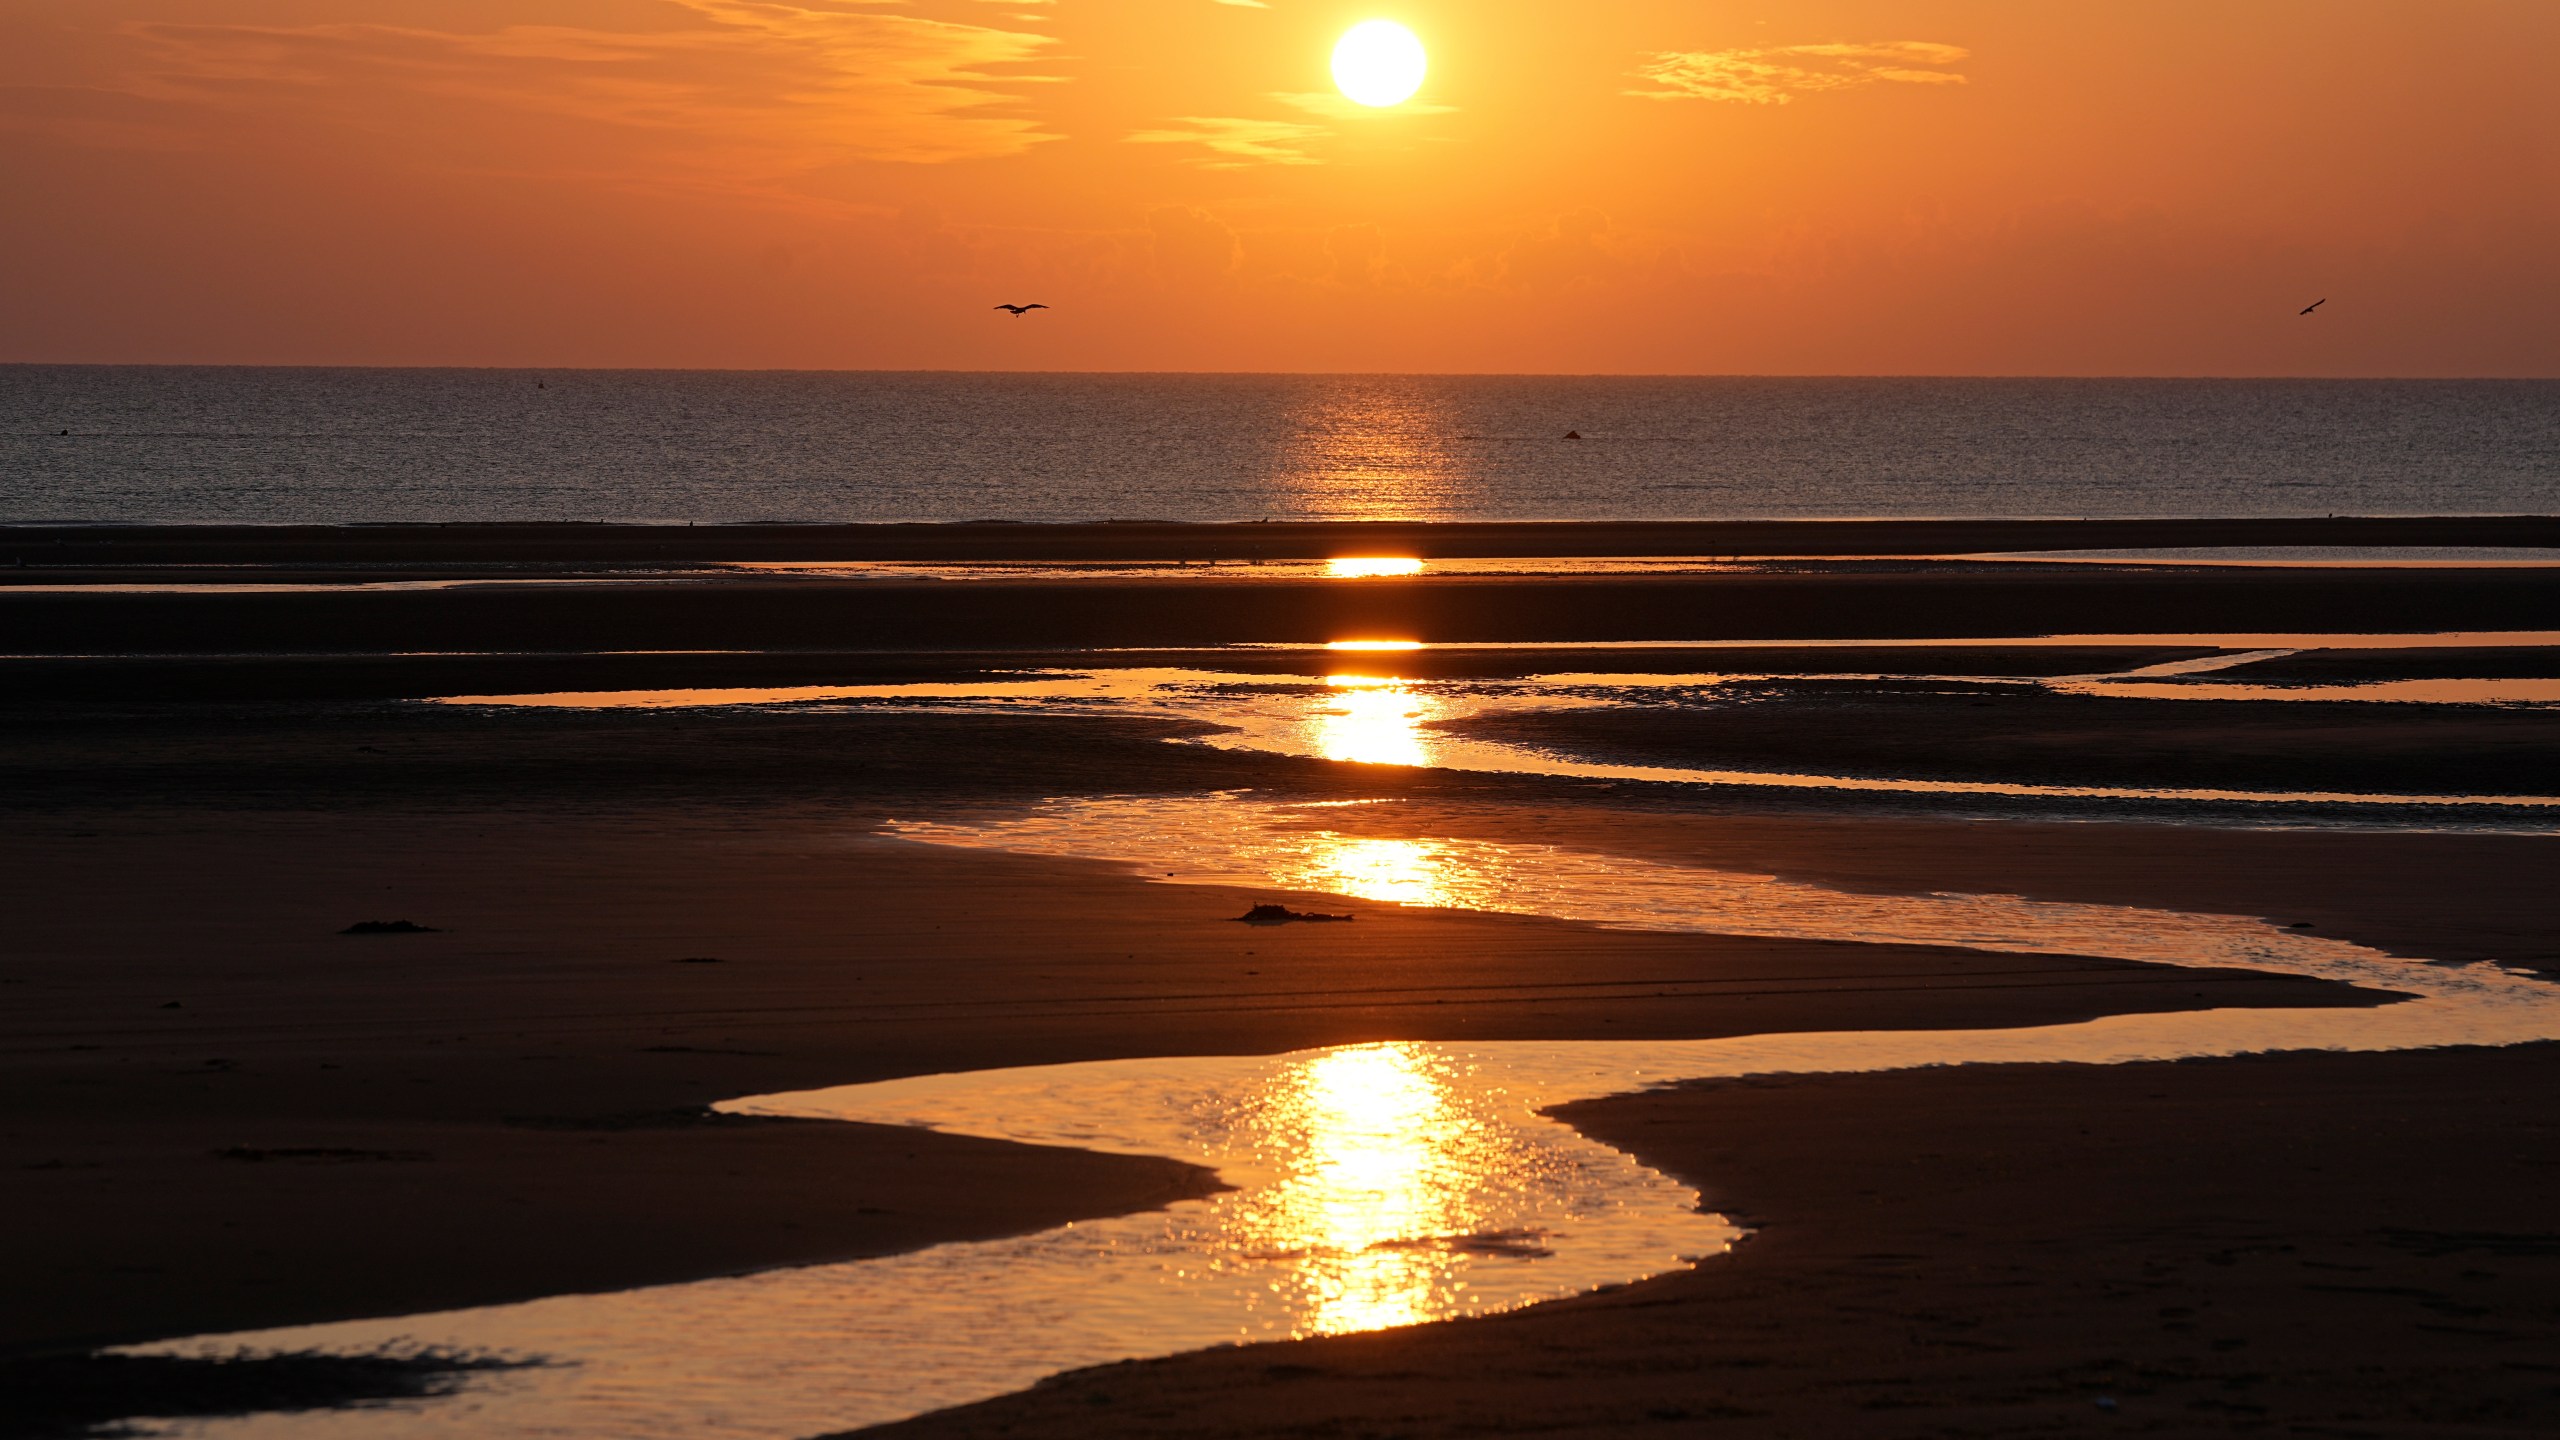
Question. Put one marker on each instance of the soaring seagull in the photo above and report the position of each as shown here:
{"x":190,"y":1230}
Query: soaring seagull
{"x":1018,"y":309}
{"x":2316,"y":304}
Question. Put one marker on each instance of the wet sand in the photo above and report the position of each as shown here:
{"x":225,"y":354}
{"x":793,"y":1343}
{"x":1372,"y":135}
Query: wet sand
{"x":220,"y":1113}
{"x":2301,"y":1244}
{"x":507,"y":1108}
{"x":271,"y":678}
{"x":822,"y":613}
{"x":1954,"y":730}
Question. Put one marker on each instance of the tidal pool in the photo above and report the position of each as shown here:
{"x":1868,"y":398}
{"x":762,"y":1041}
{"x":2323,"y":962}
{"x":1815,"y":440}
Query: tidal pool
{"x":1363,"y":712}
{"x":1376,"y":1185}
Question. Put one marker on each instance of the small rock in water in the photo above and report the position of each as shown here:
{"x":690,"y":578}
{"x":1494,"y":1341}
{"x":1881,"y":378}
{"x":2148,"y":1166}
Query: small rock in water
{"x":1282,"y":915}
{"x":388,"y":927}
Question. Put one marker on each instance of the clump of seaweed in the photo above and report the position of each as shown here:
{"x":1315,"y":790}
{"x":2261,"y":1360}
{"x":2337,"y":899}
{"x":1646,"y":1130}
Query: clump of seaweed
{"x":1283,"y":915}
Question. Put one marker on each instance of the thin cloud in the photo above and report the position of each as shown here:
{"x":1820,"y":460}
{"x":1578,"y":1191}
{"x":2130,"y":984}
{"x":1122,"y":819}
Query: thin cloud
{"x":1334,"y":105}
{"x":1234,"y":142}
{"x":1237,"y":142}
{"x":1777,"y":75}
{"x":756,"y":90}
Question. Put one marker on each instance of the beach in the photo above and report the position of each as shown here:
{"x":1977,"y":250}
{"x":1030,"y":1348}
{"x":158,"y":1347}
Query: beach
{"x":1216,"y":721}
{"x":636,"y":913}
{"x":2343,"y":1245}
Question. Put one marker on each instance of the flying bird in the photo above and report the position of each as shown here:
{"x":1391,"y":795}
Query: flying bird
{"x":1018,"y":309}
{"x":2316,"y":304}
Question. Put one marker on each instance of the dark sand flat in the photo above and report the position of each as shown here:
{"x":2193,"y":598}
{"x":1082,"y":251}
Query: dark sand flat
{"x":43,"y":546}
{"x":2349,"y":667}
{"x":219,"y":1112}
{"x":547,"y":1046}
{"x":827,"y":614}
{"x":267,"y":679}
{"x":1954,"y":730}
{"x":508,"y":1107}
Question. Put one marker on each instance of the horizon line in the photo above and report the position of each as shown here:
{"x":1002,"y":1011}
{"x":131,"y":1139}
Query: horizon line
{"x":2553,"y":377}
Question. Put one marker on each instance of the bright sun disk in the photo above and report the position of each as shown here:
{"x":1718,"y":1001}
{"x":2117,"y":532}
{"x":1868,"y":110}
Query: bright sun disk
{"x":1379,"y":62}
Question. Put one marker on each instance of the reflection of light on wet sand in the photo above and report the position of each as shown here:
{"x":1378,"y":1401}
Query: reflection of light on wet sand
{"x":1373,"y":644}
{"x":1369,"y":567}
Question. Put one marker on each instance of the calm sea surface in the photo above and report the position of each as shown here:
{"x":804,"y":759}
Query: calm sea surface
{"x":113,"y":443}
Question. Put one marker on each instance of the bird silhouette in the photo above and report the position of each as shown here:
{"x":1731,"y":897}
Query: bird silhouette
{"x":1018,"y":309}
{"x":2316,"y":304}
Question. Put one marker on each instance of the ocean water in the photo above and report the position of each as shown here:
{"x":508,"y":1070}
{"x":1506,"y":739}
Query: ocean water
{"x":148,"y":443}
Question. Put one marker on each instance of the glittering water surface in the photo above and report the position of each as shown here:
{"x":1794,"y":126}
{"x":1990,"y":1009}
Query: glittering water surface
{"x":1377,"y":1185}
{"x":314,"y":445}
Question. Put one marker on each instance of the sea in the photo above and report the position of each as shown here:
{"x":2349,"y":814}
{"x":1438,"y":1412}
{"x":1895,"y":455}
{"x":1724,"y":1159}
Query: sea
{"x":127,"y":444}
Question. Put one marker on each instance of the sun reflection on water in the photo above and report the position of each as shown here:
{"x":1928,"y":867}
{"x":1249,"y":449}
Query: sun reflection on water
{"x":1368,"y":567}
{"x":1380,"y":1198}
{"x":1375,"y":449}
{"x":1373,"y":720}
{"x":1394,"y":872}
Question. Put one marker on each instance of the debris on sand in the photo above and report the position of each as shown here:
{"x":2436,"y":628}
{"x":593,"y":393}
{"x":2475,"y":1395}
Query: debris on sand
{"x":60,"y":1397}
{"x":701,"y":960}
{"x":389,"y":927}
{"x":1282,"y":915}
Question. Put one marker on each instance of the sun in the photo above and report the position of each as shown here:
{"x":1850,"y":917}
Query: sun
{"x":1379,"y":62}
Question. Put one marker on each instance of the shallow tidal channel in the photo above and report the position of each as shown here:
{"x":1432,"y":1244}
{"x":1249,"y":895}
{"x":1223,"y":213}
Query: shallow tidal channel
{"x":1357,"y":708}
{"x":1374,"y":1185}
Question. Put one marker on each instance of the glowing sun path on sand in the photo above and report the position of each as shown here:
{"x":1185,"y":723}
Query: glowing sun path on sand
{"x":1376,"y":1185}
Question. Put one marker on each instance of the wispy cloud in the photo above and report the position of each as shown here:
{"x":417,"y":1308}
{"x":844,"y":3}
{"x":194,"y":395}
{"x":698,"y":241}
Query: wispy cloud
{"x":1776,"y":75}
{"x":746,"y":87}
{"x":1334,"y":105}
{"x":1234,"y":142}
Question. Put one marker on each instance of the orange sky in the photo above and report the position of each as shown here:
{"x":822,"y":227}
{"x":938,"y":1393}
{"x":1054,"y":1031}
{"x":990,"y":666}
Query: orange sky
{"x":1815,"y":186}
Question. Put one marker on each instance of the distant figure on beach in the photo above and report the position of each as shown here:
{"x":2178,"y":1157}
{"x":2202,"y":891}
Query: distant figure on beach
{"x":2316,"y":304}
{"x":1018,"y":309}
